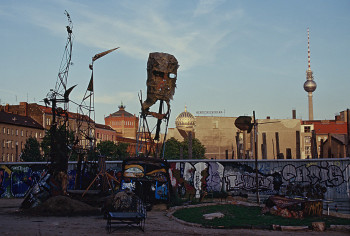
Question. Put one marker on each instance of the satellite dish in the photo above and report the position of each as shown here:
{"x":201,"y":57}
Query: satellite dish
{"x":244,"y":123}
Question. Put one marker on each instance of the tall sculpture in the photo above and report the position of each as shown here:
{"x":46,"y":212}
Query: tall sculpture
{"x":161,"y":84}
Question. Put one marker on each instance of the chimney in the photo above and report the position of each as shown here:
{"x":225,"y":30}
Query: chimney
{"x":294,"y":114}
{"x":267,"y":117}
{"x":7,"y":107}
{"x":25,"y":107}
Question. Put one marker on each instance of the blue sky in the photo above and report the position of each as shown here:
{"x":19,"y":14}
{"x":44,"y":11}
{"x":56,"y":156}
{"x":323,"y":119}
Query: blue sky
{"x":234,"y":56}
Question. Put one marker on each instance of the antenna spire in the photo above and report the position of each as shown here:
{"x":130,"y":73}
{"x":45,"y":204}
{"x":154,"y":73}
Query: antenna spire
{"x":308,"y":49}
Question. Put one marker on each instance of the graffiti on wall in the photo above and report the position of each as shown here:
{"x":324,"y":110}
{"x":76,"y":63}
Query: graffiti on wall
{"x":196,"y":178}
{"x":17,"y":179}
{"x":329,"y":175}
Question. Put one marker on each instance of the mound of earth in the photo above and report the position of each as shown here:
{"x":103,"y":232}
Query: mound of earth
{"x":63,"y":206}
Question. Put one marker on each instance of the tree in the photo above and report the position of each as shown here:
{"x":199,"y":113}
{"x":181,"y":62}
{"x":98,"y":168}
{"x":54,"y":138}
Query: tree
{"x":198,"y":149}
{"x":113,"y":151}
{"x":122,"y":150}
{"x":107,"y":149}
{"x":172,"y":149}
{"x":31,"y":151}
{"x":46,"y":142}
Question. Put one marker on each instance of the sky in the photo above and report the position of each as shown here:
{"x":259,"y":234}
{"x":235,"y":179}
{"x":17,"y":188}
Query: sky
{"x":235,"y":56}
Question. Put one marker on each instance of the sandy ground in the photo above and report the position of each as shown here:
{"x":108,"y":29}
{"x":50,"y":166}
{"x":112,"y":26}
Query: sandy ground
{"x":12,"y":222}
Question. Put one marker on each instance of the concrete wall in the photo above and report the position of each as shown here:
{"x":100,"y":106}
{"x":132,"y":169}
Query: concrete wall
{"x":194,"y":177}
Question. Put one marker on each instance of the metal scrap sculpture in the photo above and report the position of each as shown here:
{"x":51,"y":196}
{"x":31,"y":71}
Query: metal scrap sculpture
{"x":55,"y":180}
{"x":161,"y":80}
{"x":161,"y":84}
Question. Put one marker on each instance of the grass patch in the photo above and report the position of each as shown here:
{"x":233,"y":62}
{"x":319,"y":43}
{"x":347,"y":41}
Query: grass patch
{"x":237,"y":216}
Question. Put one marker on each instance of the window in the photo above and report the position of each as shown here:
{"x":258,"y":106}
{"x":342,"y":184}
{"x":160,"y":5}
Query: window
{"x":307,"y":140}
{"x":22,"y":133}
{"x":16,"y":132}
{"x":48,"y":121}
{"x":307,"y":150}
{"x":12,"y":158}
{"x":98,"y":135}
{"x":4,"y":130}
{"x":8,"y":131}
{"x":12,"y":132}
{"x":36,"y":134}
{"x":4,"y":143}
{"x":307,"y":129}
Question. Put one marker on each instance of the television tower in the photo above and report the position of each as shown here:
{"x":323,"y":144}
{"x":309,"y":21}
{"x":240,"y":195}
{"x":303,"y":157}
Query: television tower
{"x":310,"y":84}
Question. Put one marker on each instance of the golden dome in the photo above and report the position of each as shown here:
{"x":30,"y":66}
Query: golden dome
{"x":185,"y":120}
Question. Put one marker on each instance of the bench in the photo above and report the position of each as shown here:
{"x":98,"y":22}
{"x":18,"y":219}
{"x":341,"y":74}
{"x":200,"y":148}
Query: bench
{"x":136,"y":216}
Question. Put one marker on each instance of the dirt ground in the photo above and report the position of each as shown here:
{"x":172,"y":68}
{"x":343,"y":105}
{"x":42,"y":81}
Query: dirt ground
{"x":13,"y":222}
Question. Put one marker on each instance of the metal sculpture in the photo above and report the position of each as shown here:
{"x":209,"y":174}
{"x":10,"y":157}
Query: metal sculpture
{"x":161,"y":84}
{"x":86,"y":116}
{"x":59,"y":124}
{"x":86,"y":109}
{"x":55,"y":180}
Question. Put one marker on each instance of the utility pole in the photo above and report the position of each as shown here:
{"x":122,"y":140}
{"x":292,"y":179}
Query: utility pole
{"x":348,"y":132}
{"x":256,"y":159}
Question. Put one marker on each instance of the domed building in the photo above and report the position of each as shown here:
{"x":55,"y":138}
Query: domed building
{"x":185,"y":123}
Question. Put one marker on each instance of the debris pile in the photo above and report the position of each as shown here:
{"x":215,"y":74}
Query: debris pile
{"x":63,"y":206}
{"x":285,"y":207}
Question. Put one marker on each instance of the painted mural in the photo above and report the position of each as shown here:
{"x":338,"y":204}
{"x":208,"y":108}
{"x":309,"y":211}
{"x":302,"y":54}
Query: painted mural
{"x":329,"y":177}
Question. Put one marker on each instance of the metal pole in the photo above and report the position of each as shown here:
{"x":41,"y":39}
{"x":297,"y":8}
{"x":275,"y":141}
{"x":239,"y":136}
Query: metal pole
{"x":256,"y":159}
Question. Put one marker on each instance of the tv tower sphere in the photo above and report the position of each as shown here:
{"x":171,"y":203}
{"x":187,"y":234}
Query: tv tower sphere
{"x":310,"y":86}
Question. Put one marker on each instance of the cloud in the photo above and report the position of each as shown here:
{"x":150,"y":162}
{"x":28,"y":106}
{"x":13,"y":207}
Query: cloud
{"x":139,"y":28}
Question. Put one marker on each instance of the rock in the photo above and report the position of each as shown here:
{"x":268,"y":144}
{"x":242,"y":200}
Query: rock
{"x":294,"y":228}
{"x":319,"y":226}
{"x":276,"y":227}
{"x":211,"y":216}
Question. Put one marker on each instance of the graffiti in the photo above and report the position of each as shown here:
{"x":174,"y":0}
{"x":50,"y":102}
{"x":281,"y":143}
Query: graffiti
{"x":248,"y":182}
{"x":240,"y":177}
{"x":215,"y":175}
{"x":161,"y":191}
{"x":330,"y":176}
{"x":17,"y":179}
{"x":195,"y":179}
